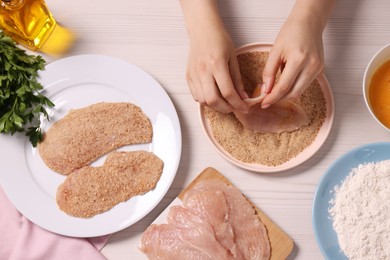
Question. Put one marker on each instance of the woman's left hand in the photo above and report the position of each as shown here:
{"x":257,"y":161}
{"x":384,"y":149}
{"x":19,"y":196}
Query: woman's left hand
{"x":298,"y":53}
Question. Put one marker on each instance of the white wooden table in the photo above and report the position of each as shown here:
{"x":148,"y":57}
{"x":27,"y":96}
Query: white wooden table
{"x":151,"y":35}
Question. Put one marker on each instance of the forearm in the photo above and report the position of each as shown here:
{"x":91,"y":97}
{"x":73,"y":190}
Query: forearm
{"x":201,"y":16}
{"x":316,"y":12}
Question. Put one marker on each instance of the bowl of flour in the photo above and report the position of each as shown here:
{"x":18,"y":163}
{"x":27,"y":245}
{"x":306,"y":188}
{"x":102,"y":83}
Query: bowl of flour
{"x":351,"y":206}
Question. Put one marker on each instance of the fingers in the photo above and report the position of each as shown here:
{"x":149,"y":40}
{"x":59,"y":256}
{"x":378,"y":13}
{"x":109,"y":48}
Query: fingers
{"x":219,"y":88}
{"x":228,"y":78}
{"x":205,"y":91}
{"x":305,"y":78}
{"x":236,"y":77}
{"x":212,"y":96}
{"x":297,"y":74}
{"x":195,"y":91}
{"x":288,"y":77}
{"x":271,"y":68}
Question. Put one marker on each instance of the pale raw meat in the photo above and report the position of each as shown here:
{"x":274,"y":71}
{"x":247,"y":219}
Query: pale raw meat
{"x":204,"y":203}
{"x":216,"y":220}
{"x":250,"y":234}
{"x":196,"y":232}
{"x":161,"y":242}
{"x":283,"y":116}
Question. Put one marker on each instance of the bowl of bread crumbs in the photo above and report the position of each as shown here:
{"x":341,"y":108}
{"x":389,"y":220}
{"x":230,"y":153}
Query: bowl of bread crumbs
{"x":269,"y":152}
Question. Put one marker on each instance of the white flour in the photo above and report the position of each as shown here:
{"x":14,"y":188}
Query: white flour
{"x":360,"y":211}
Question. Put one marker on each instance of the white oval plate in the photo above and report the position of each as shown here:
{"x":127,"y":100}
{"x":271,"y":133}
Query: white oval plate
{"x":76,"y":82}
{"x":301,"y":157}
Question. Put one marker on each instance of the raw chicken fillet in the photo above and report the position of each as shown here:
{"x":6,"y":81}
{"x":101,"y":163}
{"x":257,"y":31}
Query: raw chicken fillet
{"x":215,"y":222}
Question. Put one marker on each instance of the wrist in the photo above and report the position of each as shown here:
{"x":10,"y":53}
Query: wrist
{"x":201,"y":17}
{"x":313,"y":12}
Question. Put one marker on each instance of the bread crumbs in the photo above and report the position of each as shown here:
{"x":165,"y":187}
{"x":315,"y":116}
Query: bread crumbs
{"x":270,"y":149}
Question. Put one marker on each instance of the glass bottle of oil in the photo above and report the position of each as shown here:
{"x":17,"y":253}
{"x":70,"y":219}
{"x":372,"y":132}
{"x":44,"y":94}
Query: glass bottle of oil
{"x":30,"y":23}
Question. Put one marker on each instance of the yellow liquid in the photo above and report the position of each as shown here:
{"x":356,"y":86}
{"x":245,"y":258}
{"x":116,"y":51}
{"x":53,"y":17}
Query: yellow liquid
{"x":28,"y":22}
{"x":379,"y":93}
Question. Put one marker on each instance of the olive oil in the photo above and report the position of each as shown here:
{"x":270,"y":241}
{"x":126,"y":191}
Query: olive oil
{"x":30,"y":23}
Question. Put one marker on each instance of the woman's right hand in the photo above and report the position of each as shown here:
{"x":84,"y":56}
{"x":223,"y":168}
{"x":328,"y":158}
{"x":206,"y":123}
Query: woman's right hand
{"x":213,"y":73}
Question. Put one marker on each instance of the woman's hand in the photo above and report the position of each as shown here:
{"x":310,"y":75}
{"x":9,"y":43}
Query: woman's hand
{"x":213,"y":73}
{"x":297,"y":52}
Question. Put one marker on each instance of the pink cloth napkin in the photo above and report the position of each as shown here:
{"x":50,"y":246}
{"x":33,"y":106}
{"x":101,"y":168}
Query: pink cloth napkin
{"x":21,"y":239}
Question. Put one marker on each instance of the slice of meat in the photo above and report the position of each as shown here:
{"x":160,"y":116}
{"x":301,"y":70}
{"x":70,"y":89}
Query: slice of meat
{"x":283,"y":116}
{"x":197,"y":232}
{"x":214,"y":216}
{"x":161,"y":242}
{"x":204,"y":203}
{"x":85,"y":134}
{"x":250,"y":233}
{"x":93,"y":190}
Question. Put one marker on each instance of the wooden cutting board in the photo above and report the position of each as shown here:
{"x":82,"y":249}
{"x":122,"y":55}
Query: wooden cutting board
{"x":281,"y":243}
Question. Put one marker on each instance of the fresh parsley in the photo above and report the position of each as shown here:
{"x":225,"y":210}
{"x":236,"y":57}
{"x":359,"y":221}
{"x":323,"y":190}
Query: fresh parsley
{"x":21,"y":100}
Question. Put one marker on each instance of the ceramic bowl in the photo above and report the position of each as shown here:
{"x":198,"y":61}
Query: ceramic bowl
{"x":307,"y":153}
{"x":377,"y":60}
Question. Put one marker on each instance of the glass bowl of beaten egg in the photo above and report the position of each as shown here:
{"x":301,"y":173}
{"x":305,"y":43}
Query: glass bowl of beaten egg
{"x":376,"y":86}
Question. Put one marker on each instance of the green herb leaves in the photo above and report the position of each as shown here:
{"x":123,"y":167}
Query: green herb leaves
{"x":21,"y":102}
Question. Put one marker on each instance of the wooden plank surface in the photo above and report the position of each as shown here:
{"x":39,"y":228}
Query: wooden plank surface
{"x":152,"y":35}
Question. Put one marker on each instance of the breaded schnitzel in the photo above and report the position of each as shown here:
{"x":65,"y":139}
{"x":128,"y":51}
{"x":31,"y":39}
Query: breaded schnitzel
{"x":93,"y":190}
{"x":85,"y":134}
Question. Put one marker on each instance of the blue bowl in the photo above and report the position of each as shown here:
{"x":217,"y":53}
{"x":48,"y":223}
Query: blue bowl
{"x":322,"y":222}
